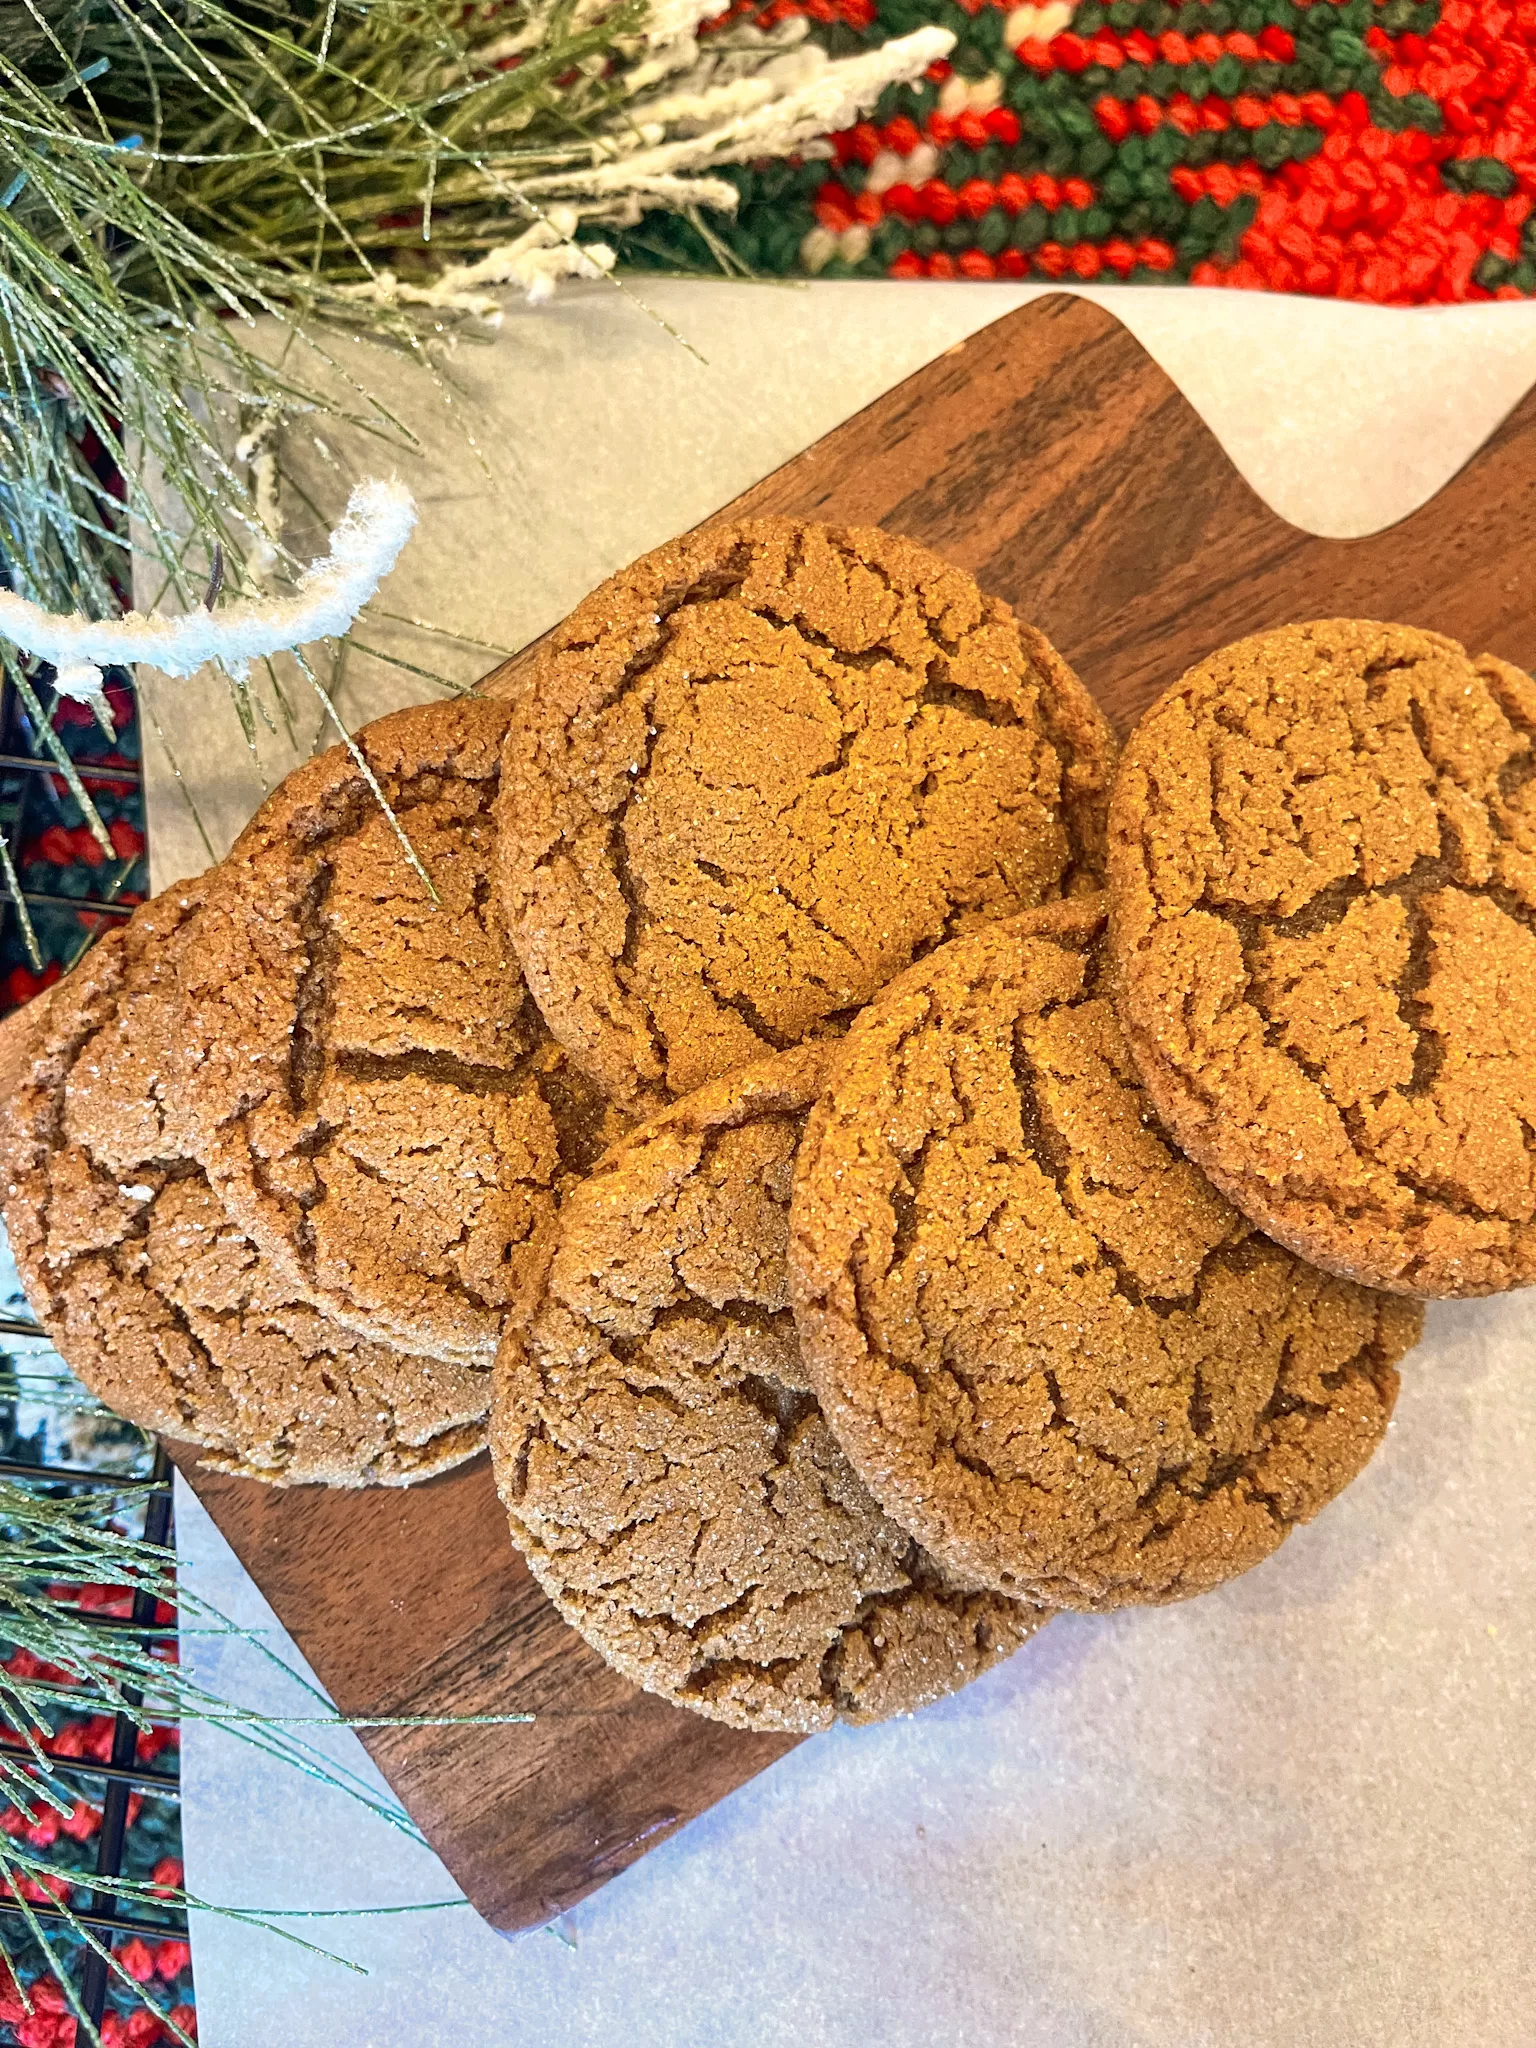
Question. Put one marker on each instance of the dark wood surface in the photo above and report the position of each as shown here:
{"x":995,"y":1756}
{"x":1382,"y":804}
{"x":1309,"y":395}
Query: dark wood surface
{"x":1050,"y":456}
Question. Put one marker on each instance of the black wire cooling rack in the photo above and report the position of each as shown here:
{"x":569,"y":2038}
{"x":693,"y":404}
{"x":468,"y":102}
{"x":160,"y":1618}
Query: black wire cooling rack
{"x":66,"y":919}
{"x":118,"y":1775}
{"x":68,"y":905}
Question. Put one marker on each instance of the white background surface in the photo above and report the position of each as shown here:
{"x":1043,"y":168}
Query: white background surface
{"x":1299,"y":1810}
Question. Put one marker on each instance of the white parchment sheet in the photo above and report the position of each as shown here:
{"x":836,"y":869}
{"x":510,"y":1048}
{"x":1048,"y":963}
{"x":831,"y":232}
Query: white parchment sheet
{"x":1301,"y":1810}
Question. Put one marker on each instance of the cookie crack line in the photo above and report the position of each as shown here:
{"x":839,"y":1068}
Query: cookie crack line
{"x":352,"y":807}
{"x":975,"y":704}
{"x":747,"y":1011}
{"x":316,"y":992}
{"x":882,"y":649}
{"x":712,"y":1137}
{"x":1429,"y":874}
{"x":742,"y":1005}
{"x":737,"y":1315}
{"x":639,"y":665}
{"x":838,"y":536}
{"x":646,"y":827}
{"x":100,"y":1010}
{"x":817,"y":923}
{"x":386,"y":1414}
{"x":313,"y":994}
{"x":1011,"y":1457}
{"x":469,"y":1077}
{"x":1052,"y":1153}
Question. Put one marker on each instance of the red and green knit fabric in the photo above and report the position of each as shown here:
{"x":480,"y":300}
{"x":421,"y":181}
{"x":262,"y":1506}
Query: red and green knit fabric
{"x":1365,"y":149}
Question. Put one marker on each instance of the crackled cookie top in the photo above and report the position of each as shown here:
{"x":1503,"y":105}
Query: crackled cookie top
{"x":161,"y":1306}
{"x":1323,"y":881}
{"x":759,"y":772}
{"x":668,"y":1473}
{"x":1044,"y":1340}
{"x":372,"y":1092}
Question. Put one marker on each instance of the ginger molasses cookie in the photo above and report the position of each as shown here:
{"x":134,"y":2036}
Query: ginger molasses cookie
{"x":1323,"y":891}
{"x":370,"y":1088}
{"x":20,"y":1035}
{"x":667,"y":1471}
{"x":1046,"y":1343}
{"x":163,"y":1308}
{"x":758,"y":772}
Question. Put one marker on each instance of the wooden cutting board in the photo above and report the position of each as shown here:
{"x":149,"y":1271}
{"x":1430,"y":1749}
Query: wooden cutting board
{"x":1050,"y":456}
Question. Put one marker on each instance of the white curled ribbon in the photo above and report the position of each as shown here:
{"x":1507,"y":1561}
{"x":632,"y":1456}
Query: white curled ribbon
{"x":329,"y":595}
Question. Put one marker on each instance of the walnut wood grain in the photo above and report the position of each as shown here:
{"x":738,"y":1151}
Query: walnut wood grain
{"x":531,"y":1819}
{"x":1051,"y":457}
{"x":414,"y":1602}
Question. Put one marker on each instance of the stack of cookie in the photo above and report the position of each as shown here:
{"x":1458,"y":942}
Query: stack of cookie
{"x":877,"y":1175}
{"x":281,"y":1143}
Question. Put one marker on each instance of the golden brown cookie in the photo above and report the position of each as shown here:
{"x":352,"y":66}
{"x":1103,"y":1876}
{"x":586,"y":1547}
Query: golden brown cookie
{"x":21,"y":1033}
{"x":161,"y":1306}
{"x":1046,"y":1343}
{"x":667,"y":1472}
{"x":370,"y":1088}
{"x":1323,"y":890}
{"x":758,"y":772}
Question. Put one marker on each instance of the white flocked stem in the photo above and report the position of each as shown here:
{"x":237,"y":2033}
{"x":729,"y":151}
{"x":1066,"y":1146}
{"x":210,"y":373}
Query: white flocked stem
{"x":330,"y":594}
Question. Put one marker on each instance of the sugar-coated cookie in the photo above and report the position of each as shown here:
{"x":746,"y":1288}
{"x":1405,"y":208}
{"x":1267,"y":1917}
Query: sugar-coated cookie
{"x":761,"y":770}
{"x":666,"y":1469}
{"x":1323,"y":911}
{"x":1048,"y":1345}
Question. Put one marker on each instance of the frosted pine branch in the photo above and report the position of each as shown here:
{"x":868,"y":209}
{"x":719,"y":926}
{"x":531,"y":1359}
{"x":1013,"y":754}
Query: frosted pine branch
{"x":535,"y":263}
{"x":799,"y":94}
{"x":669,"y":21}
{"x":689,"y":107}
{"x":330,"y":594}
{"x":671,"y":44}
{"x":257,"y":449}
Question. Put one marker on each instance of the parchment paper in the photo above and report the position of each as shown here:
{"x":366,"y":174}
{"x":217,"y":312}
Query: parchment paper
{"x":1300,"y":1810}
